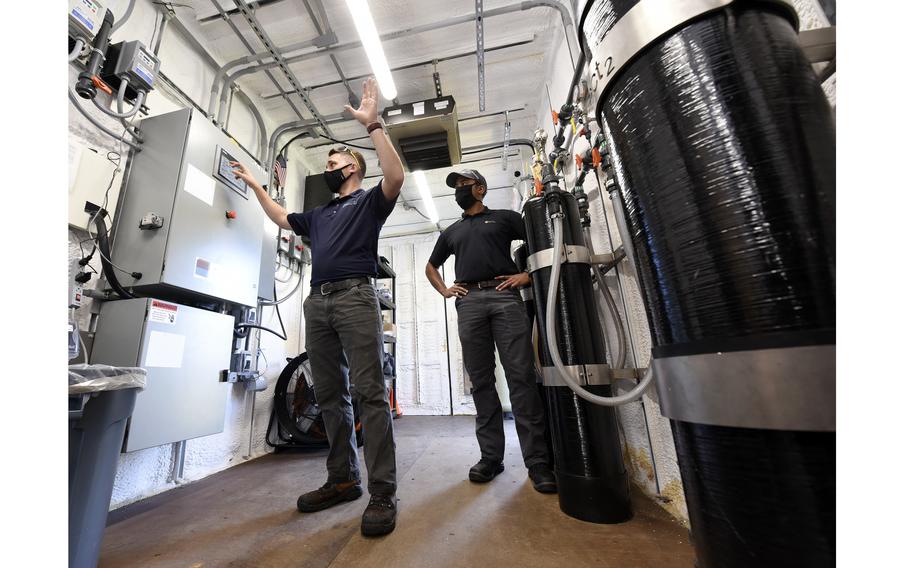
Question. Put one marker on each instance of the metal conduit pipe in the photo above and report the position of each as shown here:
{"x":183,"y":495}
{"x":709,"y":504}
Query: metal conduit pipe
{"x":246,"y":44}
{"x":178,"y":27}
{"x":228,"y":80}
{"x":251,"y":19}
{"x":297,"y":125}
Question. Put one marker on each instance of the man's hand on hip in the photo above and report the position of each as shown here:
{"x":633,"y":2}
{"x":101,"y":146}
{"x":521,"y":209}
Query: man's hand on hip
{"x":455,"y":291}
{"x":514,"y":281}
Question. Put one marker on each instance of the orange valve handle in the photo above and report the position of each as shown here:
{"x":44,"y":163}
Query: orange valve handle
{"x":96,"y":80}
{"x":595,"y":154}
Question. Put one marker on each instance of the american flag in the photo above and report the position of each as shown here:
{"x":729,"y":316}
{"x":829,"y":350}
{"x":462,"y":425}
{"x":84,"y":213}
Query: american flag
{"x":281,"y":170}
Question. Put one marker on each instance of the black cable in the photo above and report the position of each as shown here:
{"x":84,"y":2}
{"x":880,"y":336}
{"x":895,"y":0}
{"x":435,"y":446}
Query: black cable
{"x":251,"y":326}
{"x":106,"y":266}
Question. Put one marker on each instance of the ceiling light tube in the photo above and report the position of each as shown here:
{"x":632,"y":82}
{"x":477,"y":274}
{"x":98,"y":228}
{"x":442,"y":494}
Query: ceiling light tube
{"x":369,"y":37}
{"x":426,"y":196}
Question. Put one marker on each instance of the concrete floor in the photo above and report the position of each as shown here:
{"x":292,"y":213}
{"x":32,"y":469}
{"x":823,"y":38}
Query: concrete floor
{"x":246,"y":516}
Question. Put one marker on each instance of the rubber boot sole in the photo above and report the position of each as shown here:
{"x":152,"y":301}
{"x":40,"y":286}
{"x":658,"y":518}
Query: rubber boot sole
{"x":376,"y":529}
{"x":350,"y":494}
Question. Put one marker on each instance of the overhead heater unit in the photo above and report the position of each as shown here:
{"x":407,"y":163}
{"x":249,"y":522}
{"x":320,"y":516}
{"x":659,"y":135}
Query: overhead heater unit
{"x":425,"y":133}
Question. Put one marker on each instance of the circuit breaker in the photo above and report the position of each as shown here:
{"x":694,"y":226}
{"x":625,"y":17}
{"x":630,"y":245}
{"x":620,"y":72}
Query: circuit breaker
{"x":210,"y":243}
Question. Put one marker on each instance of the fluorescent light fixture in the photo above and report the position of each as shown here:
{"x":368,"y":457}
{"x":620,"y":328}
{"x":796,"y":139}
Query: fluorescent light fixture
{"x":426,"y":196}
{"x":369,"y":37}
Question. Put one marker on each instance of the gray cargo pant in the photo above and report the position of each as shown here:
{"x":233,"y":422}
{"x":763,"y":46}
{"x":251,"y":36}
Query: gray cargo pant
{"x":349,"y":321}
{"x":484,"y":317}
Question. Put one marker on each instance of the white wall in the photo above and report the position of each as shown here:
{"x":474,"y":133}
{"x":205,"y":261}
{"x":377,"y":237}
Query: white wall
{"x":147,"y":472}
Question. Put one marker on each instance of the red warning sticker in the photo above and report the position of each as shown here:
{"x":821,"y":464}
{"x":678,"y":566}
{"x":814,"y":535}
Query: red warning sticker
{"x":162,"y":312}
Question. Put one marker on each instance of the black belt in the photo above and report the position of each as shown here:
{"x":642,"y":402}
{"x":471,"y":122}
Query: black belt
{"x":327,"y":288}
{"x":480,"y":285}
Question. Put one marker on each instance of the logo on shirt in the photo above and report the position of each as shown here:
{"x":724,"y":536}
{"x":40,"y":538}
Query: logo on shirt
{"x":350,"y":202}
{"x":493,"y":222}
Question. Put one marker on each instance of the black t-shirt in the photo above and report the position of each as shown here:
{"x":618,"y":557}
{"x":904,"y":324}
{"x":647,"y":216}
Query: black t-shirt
{"x":480,"y":244}
{"x":344,"y":234}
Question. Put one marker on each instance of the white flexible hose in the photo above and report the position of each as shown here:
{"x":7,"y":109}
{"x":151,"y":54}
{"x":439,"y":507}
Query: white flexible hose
{"x":553,"y":346}
{"x":77,"y":50}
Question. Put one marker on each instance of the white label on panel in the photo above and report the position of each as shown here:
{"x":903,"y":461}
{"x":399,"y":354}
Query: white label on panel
{"x":395,"y":112}
{"x":418,"y":109}
{"x":165,"y":350}
{"x":162,"y":312}
{"x":440,"y":104}
{"x":199,"y":185}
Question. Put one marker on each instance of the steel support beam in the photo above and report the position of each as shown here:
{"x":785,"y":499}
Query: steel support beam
{"x":478,"y":15}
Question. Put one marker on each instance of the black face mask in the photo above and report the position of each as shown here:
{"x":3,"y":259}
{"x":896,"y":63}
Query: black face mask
{"x":464,"y":196}
{"x":335,"y":179}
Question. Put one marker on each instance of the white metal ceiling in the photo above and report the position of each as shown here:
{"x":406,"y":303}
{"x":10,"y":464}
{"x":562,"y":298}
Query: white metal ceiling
{"x":514,"y":73}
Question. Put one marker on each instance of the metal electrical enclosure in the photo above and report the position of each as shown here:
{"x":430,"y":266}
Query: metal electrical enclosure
{"x":184,"y":351}
{"x":211,"y":243}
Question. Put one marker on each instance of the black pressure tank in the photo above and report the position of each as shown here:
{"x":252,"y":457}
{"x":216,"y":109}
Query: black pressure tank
{"x":590,"y":472}
{"x":723,"y":148}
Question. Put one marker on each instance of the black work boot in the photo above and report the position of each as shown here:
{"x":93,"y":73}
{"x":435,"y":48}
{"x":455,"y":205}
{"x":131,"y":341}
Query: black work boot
{"x":485,"y":470}
{"x":379,"y":517}
{"x":328,"y":495}
{"x":542,"y":478}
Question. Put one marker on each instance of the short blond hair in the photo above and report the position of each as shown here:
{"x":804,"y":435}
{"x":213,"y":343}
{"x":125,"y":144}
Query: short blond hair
{"x":358,"y":157}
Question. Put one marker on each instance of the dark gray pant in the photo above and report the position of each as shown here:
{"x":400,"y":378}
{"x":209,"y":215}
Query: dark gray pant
{"x":484,"y":317}
{"x":349,"y":321}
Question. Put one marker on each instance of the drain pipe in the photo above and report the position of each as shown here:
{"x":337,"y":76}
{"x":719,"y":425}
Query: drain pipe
{"x":223,"y":81}
{"x":179,"y":452}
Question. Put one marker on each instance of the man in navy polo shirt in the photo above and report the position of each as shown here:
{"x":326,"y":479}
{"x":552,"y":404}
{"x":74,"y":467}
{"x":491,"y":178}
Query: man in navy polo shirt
{"x":491,"y":311}
{"x":343,"y":319}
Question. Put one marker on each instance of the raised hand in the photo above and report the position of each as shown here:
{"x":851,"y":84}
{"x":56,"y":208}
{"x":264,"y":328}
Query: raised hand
{"x":368,"y":112}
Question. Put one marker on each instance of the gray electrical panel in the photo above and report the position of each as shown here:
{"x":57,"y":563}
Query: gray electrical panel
{"x":211,"y":242}
{"x":184,"y":350}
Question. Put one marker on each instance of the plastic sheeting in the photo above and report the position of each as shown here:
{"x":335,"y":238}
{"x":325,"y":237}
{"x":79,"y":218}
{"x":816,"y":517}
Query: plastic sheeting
{"x":94,"y":378}
{"x":725,"y":158}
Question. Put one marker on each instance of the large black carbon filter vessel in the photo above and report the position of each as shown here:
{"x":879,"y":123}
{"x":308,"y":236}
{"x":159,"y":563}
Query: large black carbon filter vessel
{"x":527,"y":296}
{"x":723,"y":149}
{"x":588,"y":462}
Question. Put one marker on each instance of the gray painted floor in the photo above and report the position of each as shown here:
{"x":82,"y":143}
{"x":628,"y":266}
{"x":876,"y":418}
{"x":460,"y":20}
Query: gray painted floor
{"x":246,"y":516}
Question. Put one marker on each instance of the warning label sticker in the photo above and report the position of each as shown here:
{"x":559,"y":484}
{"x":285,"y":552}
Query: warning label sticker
{"x":162,"y":312}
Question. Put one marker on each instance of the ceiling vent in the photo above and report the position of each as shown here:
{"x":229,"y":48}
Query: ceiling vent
{"x":425,"y":133}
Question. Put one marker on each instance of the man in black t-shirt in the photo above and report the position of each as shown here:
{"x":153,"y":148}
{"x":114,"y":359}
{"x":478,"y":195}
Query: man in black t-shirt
{"x":343,"y":320}
{"x":490,"y":310}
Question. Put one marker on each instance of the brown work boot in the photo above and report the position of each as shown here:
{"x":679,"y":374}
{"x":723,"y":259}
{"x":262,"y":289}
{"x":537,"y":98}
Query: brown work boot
{"x":329,"y":495}
{"x":379,"y":517}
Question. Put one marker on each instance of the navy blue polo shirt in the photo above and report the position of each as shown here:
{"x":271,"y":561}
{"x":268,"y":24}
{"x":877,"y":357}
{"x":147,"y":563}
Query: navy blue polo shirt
{"x":344,"y":234}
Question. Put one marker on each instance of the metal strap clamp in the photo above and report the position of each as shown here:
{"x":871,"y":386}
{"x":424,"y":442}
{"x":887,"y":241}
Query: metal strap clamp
{"x":570,"y":254}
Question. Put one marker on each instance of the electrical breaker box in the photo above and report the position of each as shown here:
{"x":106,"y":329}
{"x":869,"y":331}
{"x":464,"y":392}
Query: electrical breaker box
{"x":210,"y":245}
{"x":130,"y":59}
{"x":184,"y":350}
{"x":85,"y":17}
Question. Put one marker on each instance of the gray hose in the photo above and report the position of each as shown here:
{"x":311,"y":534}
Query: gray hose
{"x":74,"y":98}
{"x":553,"y":347}
{"x":611,"y":306}
{"x":126,"y":15}
{"x":121,"y":93}
{"x":282,"y":300}
{"x":77,"y":49}
{"x":126,"y":124}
